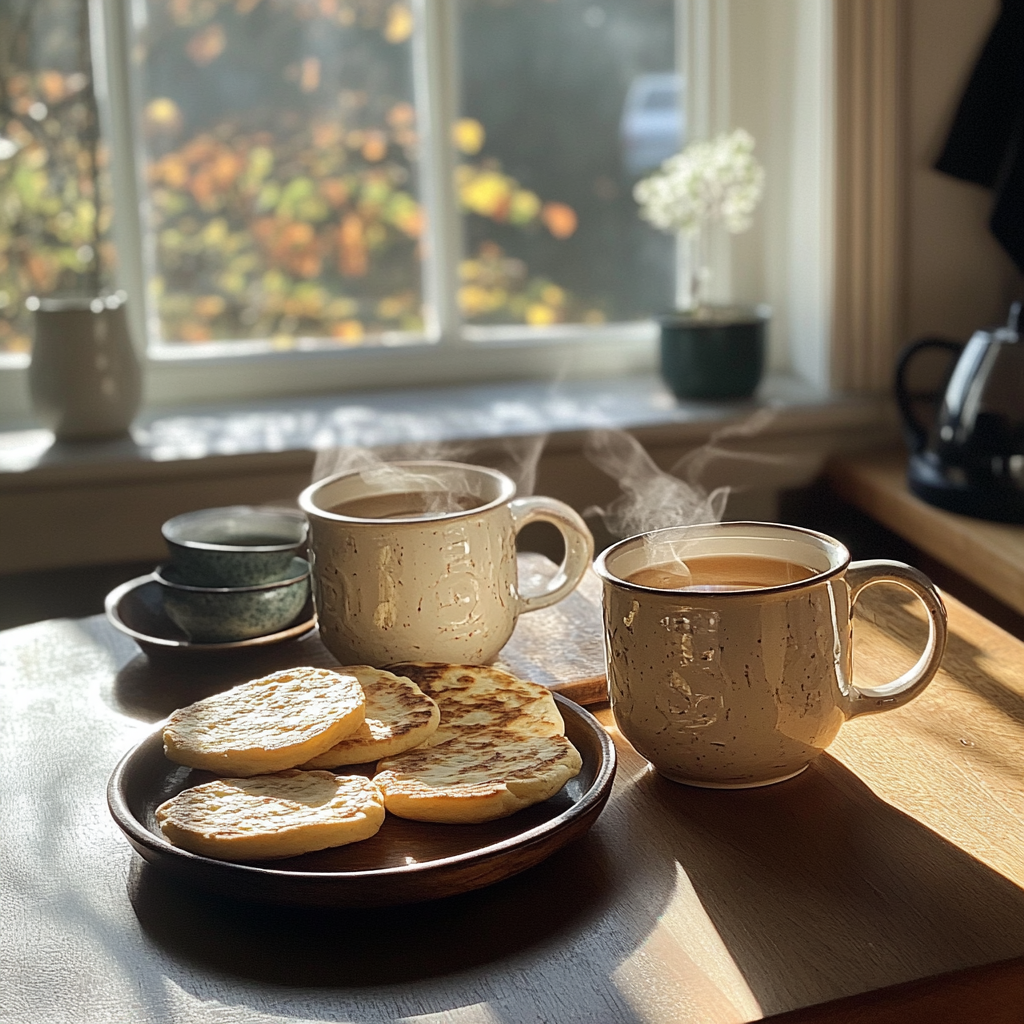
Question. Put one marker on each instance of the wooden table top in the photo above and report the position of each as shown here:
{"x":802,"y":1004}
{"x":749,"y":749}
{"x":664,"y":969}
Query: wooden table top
{"x":887,"y":880}
{"x":989,"y":554}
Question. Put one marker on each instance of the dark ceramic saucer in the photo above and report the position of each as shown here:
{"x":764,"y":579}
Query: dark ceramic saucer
{"x":136,"y":608}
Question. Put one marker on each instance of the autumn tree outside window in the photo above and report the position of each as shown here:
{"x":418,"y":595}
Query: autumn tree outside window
{"x":281,"y":167}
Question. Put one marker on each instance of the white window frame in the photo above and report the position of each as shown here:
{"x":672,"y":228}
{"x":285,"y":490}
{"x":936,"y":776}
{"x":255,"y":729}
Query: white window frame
{"x":451,"y":350}
{"x":454,"y":353}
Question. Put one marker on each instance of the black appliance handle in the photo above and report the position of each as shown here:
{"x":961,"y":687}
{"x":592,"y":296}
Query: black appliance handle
{"x":915,"y":431}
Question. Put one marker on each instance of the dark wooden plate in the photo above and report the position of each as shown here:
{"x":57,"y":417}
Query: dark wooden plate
{"x":405,"y":862}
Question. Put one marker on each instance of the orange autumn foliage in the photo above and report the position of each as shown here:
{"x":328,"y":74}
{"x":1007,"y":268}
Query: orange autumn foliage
{"x":335,"y":191}
{"x":203,"y":188}
{"x":42,"y":272}
{"x":292,"y":246}
{"x":559,"y":219}
{"x":207,"y":45}
{"x":352,"y":255}
{"x":402,"y":115}
{"x":375,"y":147}
{"x":225,"y":168}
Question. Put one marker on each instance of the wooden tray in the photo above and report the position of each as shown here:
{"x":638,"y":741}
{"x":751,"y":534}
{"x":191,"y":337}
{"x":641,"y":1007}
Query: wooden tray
{"x":405,"y":862}
{"x":561,"y":647}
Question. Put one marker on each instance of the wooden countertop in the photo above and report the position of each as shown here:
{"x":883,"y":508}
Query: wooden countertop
{"x":989,"y":554}
{"x":885,"y":882}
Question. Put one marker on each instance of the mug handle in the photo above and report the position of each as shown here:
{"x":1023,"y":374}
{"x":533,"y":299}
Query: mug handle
{"x":579,"y":547}
{"x":859,"y":576}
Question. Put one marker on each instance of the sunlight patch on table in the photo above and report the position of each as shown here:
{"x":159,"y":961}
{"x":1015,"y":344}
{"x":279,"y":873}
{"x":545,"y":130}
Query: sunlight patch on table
{"x":950,"y":733}
{"x":703,"y":981}
{"x":476,"y":1013}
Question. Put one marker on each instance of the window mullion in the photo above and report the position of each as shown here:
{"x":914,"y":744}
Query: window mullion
{"x":702,"y":56}
{"x":111,"y":63}
{"x":436,"y":82}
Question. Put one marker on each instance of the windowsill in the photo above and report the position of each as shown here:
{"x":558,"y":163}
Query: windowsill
{"x":211,"y":376}
{"x":80,"y":504}
{"x":171,"y":442}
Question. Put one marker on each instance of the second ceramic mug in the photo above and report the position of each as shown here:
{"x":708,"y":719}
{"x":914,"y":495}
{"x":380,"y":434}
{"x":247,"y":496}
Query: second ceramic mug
{"x":744,"y":687}
{"x":436,"y":581}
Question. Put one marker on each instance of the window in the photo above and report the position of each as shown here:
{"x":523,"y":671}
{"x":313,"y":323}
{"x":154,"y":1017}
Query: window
{"x":280,"y":172}
{"x":55,"y":201}
{"x":313,"y":193}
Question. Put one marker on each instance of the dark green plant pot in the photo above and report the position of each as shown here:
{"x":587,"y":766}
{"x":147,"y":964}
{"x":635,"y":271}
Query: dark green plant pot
{"x":719,"y":354}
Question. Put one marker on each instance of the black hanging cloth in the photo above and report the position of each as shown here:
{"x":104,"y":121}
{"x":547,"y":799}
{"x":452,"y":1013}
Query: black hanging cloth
{"x":986,"y":142}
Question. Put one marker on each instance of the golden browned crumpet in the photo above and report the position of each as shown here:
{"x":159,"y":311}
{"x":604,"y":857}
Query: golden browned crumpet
{"x":272,"y":816}
{"x":478,"y":696}
{"x":399,"y":715}
{"x":500,"y":747}
{"x":479,"y":776}
{"x":272,"y":723}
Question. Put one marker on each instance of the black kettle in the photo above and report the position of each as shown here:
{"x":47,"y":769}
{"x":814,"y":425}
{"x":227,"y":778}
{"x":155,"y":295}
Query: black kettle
{"x":970,"y":457}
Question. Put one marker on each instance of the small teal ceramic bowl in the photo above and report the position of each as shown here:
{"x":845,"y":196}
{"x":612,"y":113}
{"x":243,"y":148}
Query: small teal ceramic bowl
{"x":235,"y":546}
{"x":225,"y":614}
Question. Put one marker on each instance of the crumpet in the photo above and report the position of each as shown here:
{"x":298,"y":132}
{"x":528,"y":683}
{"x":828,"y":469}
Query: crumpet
{"x":476,"y":777}
{"x":276,"y":722}
{"x":399,"y":715}
{"x":472,"y":697}
{"x":272,"y":816}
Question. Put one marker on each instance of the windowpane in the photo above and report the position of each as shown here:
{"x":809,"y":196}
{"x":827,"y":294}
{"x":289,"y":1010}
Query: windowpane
{"x":564,"y":105}
{"x":55,"y":214}
{"x":280,"y":168}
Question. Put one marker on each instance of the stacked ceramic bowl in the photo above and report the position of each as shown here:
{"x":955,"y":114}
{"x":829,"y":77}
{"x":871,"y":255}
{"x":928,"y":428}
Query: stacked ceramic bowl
{"x":234,"y":573}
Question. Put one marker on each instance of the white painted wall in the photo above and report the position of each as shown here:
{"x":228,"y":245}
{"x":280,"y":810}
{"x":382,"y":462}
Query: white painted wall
{"x":780,"y":89}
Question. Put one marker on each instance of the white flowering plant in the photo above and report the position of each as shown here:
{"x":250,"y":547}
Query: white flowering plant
{"x":708,"y":183}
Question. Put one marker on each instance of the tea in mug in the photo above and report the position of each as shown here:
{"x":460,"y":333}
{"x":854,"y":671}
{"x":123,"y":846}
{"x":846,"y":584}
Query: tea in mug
{"x":407,"y":505}
{"x":715,"y":574}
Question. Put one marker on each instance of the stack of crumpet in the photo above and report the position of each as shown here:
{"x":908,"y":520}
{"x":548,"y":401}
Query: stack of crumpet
{"x":450,"y":743}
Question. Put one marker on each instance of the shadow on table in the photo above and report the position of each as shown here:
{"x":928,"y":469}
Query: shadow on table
{"x":149,"y":689}
{"x":539,"y":946}
{"x":380,"y":946}
{"x":964,"y":661}
{"x":820,"y":889}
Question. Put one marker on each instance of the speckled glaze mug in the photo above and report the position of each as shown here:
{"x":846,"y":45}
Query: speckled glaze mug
{"x":438,"y":584}
{"x":746,"y":687}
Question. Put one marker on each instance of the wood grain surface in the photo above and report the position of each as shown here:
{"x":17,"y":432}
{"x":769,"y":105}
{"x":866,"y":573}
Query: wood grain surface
{"x":989,"y":554}
{"x":884,"y":882}
{"x":561,"y":646}
{"x":993,"y":994}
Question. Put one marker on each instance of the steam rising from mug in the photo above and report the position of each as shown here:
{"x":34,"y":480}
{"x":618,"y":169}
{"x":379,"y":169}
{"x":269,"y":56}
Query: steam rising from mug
{"x":516,"y":457}
{"x":650,"y":500}
{"x":653,"y":499}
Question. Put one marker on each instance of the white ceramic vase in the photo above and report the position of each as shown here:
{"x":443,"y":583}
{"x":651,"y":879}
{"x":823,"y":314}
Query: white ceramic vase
{"x":84,"y":379}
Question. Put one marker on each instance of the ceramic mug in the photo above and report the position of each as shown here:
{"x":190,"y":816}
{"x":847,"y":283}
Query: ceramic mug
{"x":744,"y":687}
{"x":416,"y":561}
